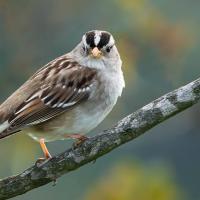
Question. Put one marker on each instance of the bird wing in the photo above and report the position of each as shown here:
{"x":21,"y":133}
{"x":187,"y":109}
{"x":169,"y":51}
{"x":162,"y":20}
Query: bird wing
{"x":62,"y":87}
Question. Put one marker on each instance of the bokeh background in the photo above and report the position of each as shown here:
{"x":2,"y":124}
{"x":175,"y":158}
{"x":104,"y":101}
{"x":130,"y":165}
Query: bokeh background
{"x":159,"y":43}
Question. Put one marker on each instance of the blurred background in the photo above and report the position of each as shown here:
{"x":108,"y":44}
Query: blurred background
{"x":159,"y":42}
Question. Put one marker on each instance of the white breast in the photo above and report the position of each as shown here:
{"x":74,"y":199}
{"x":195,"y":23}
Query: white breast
{"x":101,"y":102}
{"x":86,"y":116}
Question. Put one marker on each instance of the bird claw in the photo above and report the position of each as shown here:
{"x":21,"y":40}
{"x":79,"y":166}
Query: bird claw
{"x":79,"y":141}
{"x":40,"y":161}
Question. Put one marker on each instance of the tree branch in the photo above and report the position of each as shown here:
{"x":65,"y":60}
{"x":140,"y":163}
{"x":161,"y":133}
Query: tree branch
{"x":127,"y":129}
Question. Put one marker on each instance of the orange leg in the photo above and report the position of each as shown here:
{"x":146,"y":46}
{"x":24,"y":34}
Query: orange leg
{"x":44,"y":149}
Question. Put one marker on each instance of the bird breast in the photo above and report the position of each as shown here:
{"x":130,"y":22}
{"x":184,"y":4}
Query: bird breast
{"x":87,"y":115}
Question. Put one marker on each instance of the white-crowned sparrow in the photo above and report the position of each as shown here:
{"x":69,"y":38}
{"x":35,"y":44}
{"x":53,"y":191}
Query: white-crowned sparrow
{"x":70,"y":95}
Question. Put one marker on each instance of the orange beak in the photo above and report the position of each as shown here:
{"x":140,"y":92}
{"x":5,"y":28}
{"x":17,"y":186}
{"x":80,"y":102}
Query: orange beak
{"x":96,"y":53}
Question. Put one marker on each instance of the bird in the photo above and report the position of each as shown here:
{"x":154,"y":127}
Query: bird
{"x":69,"y":96}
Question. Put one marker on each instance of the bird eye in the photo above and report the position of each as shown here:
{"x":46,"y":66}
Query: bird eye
{"x":109,"y":48}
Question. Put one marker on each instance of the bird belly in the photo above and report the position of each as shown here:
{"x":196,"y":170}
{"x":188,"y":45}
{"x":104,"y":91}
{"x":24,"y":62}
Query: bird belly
{"x":81,"y":120}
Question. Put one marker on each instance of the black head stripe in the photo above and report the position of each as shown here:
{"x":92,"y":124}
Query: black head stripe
{"x":90,"y":39}
{"x":105,"y":37}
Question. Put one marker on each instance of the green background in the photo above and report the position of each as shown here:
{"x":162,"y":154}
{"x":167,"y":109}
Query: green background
{"x":159,"y":44}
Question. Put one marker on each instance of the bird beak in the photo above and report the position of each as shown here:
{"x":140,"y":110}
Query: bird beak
{"x":96,"y":53}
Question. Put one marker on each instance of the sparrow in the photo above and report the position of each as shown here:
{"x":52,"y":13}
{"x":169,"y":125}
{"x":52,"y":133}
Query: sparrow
{"x":69,"y":96}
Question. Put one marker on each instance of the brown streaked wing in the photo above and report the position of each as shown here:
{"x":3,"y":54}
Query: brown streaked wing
{"x":70,"y":87}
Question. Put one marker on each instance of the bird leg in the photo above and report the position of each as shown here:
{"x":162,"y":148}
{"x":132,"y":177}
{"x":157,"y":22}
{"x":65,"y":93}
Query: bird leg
{"x":44,"y":149}
{"x":47,"y":156}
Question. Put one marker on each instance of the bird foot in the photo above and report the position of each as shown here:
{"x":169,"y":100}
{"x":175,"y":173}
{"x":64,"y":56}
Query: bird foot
{"x":79,"y":139}
{"x":40,"y":161}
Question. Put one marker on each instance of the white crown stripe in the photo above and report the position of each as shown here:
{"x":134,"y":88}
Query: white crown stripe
{"x":97,"y":38}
